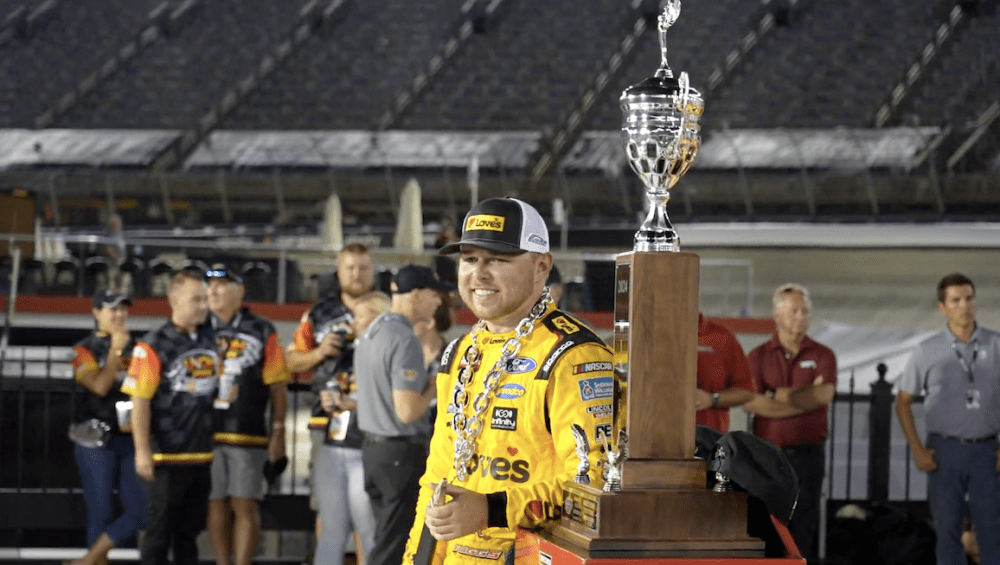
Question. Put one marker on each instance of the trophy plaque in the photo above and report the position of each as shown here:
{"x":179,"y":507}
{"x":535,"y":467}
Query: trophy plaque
{"x":655,"y":502}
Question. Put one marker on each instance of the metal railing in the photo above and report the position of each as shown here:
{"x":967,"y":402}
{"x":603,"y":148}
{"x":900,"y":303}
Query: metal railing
{"x":39,"y":482}
{"x":868,"y":458}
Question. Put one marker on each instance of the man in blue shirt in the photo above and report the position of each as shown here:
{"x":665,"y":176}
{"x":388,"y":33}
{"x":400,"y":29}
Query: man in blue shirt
{"x":958,"y":371}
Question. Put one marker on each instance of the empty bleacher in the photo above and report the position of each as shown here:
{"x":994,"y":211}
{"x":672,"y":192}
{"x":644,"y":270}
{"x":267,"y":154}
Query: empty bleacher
{"x":71,"y":42}
{"x":182,"y":76}
{"x":702,"y":36}
{"x":831,"y":65}
{"x":968,"y":77}
{"x":350,"y":71}
{"x":527,"y":67}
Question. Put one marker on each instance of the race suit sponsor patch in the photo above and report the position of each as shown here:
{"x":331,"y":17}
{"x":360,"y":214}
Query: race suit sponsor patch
{"x":596,"y":388}
{"x":504,"y":419}
{"x":600,"y":411}
{"x":493,"y":554}
{"x":510,"y":391}
{"x":594,"y":367}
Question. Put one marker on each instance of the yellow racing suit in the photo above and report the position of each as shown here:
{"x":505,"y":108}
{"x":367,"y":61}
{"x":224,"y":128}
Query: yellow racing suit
{"x":562,"y":375}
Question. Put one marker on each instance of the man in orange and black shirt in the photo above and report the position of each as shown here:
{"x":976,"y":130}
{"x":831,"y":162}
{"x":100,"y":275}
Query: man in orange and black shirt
{"x":172,"y":380}
{"x":254,"y":365}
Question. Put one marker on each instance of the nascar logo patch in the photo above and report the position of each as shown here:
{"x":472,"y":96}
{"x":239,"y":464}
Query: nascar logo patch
{"x":594,"y":367}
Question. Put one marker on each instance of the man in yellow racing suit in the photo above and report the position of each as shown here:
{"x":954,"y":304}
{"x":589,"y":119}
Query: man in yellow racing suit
{"x":560,"y":375}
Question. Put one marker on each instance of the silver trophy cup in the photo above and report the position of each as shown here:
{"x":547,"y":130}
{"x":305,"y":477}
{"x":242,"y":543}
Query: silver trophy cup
{"x":660,"y":133}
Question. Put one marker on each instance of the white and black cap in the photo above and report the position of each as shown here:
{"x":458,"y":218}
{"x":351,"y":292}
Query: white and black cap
{"x":504,"y":225}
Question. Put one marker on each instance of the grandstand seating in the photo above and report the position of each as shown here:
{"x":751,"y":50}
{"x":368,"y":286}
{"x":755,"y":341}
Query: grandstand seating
{"x":702,"y":36}
{"x":831,"y":66}
{"x":349,"y":73}
{"x":200,"y":67}
{"x":181,"y":77}
{"x":968,"y":78}
{"x":528,"y":68}
{"x":42,"y":66}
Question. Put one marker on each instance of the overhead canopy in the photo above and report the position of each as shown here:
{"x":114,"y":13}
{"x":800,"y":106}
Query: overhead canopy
{"x":813,"y":148}
{"x":82,"y":147}
{"x":594,"y":152}
{"x":363,"y":149}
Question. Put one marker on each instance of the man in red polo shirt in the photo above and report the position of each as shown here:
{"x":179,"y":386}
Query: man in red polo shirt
{"x":724,"y":378}
{"x":796,"y":379}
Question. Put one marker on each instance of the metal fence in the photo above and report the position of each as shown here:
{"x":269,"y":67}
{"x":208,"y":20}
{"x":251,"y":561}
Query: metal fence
{"x":868,"y":458}
{"x":39,"y":484}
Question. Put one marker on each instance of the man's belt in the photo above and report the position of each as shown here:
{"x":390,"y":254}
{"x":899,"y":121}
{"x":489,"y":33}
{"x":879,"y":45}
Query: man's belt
{"x":966,"y":440}
{"x":375,"y":438}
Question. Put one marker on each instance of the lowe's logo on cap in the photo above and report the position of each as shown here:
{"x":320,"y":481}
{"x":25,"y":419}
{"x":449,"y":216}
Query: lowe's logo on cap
{"x":502,"y":225}
{"x":484,"y":222}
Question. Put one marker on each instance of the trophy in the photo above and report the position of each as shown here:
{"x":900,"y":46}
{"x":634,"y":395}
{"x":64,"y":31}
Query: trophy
{"x":660,"y":134}
{"x":654,"y":501}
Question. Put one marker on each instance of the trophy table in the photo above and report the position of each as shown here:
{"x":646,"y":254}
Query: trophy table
{"x":654,"y":502}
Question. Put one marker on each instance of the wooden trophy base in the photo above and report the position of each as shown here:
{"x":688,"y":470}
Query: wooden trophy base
{"x":656,"y":523}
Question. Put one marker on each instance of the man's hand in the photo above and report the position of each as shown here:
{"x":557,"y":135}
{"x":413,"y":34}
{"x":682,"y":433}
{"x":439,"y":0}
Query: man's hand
{"x":144,"y":465}
{"x":344,"y":402}
{"x":784,"y":394}
{"x":464,"y":514}
{"x":330,"y":346}
{"x":326,"y":401}
{"x":923,"y":458}
{"x":702,"y":399}
{"x":119,"y":339}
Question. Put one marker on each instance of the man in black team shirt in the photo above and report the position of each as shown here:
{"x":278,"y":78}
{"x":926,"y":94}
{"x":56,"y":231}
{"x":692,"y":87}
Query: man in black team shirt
{"x":172,"y":380}
{"x":254,"y":363}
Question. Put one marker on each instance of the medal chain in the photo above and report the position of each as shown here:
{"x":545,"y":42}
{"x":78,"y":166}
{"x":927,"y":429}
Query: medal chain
{"x":467,"y":430}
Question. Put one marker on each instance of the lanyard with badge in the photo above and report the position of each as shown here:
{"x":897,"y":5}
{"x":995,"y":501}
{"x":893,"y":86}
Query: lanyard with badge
{"x":972,"y":394}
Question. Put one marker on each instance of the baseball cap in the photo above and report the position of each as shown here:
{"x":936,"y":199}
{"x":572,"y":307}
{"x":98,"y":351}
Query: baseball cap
{"x":413,"y":277}
{"x":220,"y":271}
{"x":504,"y":225}
{"x":110,"y":297}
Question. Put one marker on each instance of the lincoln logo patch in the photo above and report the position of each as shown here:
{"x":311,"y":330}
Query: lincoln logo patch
{"x":485,"y":222}
{"x":504,"y":419}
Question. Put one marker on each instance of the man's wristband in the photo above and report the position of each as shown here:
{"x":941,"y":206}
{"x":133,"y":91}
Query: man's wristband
{"x":715,"y":400}
{"x":496,"y":513}
{"x":770,"y":394}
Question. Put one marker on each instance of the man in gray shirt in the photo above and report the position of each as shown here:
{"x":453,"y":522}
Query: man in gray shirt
{"x":958,"y":371}
{"x":394,"y":391}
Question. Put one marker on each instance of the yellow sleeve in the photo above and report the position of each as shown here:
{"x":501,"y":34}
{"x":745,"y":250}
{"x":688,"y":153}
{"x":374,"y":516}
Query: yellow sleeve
{"x":580,"y":391}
